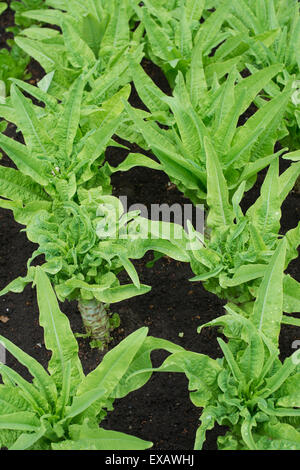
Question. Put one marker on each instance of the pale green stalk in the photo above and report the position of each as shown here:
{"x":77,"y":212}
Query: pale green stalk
{"x":96,"y":320}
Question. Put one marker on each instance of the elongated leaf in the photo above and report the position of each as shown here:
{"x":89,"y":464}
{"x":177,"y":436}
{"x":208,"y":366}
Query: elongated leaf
{"x":211,"y":27}
{"x":265,"y":212}
{"x":159,"y":41}
{"x":246,"y":273}
{"x":97,"y":142}
{"x":19,"y":284}
{"x":58,"y":335}
{"x":81,"y":403}
{"x":150,"y":94}
{"x":37,"y":401}
{"x":41,"y":378}
{"x":246,"y":431}
{"x":37,"y":92}
{"x":68,"y":123}
{"x":22,"y":421}
{"x":220,"y":213}
{"x":21,"y":157}
{"x":117,"y":34}
{"x":274,"y":383}
{"x":18,"y":187}
{"x":291,"y":295}
{"x":196,"y":80}
{"x":268,"y":307}
{"x":101,"y":439}
{"x":136,"y":159}
{"x":46,"y":16}
{"x":39,"y":51}
{"x":80,"y":54}
{"x":25,"y":441}
{"x":11,"y":400}
{"x":35,"y":135}
{"x":117,"y":294}
{"x":260,"y":130}
{"x":194,"y":9}
{"x":231,"y":361}
{"x":114,"y":365}
{"x":288,"y":179}
{"x":133,"y":378}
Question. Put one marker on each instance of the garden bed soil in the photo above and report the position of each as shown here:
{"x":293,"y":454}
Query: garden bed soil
{"x":161,"y":411}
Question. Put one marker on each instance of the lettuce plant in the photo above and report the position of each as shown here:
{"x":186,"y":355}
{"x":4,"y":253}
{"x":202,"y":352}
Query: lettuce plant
{"x":177,"y":38}
{"x":95,"y":35}
{"x":199,"y":112}
{"x":174,"y":31}
{"x":252,"y":18}
{"x":234,"y":255}
{"x":62,"y":408}
{"x":249,"y":390}
{"x":62,"y":153}
{"x":61,"y":192}
{"x":282,"y":19}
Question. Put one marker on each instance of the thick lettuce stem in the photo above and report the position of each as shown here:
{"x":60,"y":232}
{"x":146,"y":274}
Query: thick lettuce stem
{"x":96,"y":320}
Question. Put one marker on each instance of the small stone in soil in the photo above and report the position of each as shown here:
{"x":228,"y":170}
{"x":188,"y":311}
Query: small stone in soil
{"x":4,"y":319}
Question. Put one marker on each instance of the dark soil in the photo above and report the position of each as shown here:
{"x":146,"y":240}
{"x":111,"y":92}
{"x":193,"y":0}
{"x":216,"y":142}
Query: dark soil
{"x":161,"y":411}
{"x":6,"y":21}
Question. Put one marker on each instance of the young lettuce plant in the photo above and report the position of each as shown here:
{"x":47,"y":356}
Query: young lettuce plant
{"x":234,"y":255}
{"x":94,"y":35}
{"x":61,"y":192}
{"x":85,"y":247}
{"x":58,"y":158}
{"x":200,"y":112}
{"x":62,"y":408}
{"x":174,"y":32}
{"x":177,"y":40}
{"x":283,"y":19}
{"x":249,"y":390}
